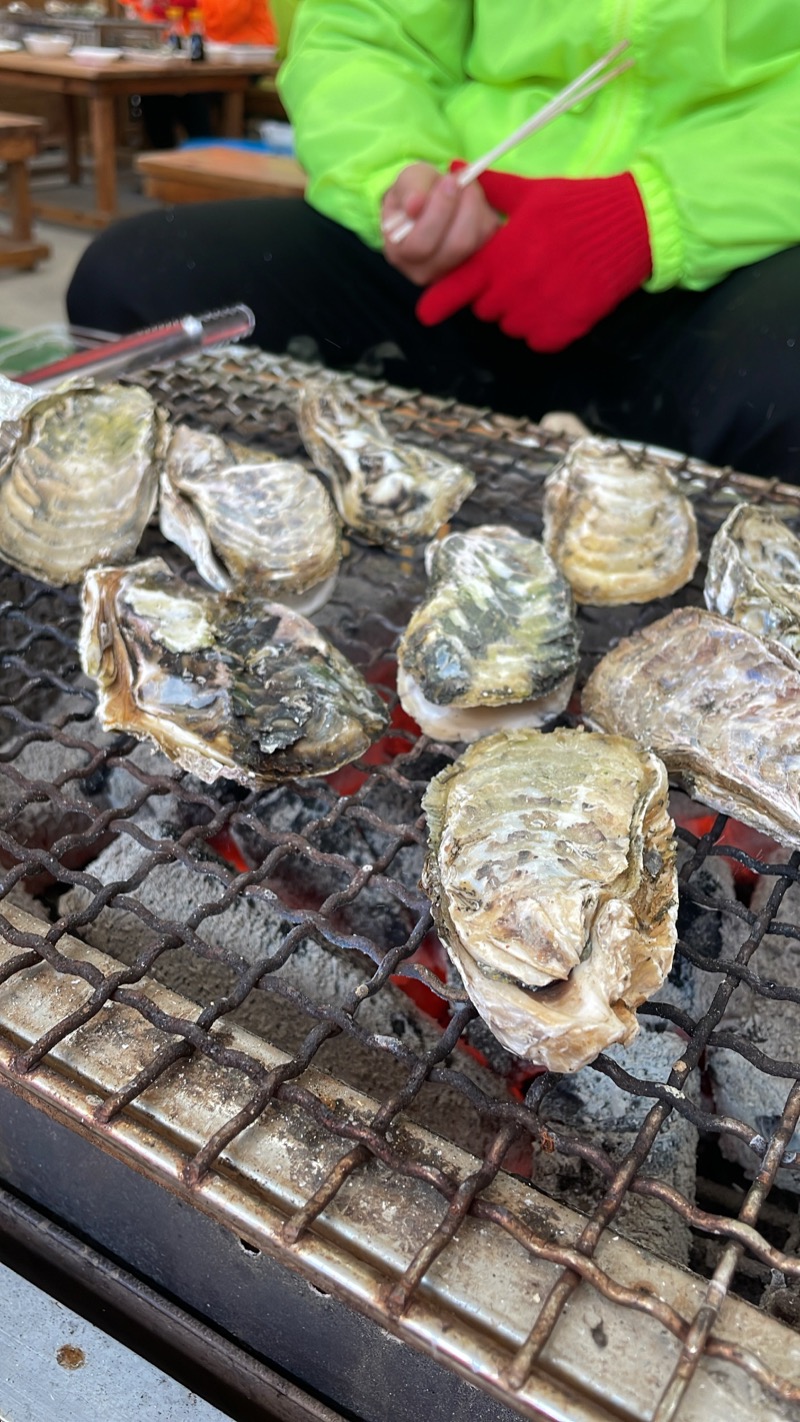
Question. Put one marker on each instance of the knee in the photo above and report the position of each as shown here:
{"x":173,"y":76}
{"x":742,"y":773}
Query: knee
{"x":109,"y":289}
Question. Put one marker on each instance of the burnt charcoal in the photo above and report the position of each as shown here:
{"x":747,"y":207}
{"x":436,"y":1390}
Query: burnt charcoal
{"x":250,"y":930}
{"x":592,"y":1106}
{"x":36,"y":812}
{"x":770,"y":1024}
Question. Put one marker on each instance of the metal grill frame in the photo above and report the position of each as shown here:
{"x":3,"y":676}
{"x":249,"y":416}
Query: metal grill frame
{"x":505,"y":1279}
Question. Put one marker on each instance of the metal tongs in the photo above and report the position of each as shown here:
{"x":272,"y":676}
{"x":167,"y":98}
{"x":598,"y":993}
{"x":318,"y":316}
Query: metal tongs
{"x":153,"y":346}
{"x":397,"y":227}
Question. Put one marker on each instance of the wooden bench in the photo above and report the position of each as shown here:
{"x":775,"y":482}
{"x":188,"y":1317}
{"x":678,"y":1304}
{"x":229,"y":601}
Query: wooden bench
{"x":20,"y":136}
{"x":213,"y":172}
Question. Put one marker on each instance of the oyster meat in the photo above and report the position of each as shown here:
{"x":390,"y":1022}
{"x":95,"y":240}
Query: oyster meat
{"x":551,"y":872}
{"x":618,"y":525}
{"x":495,"y":644}
{"x":720,"y":707}
{"x":264,"y":524}
{"x":78,"y":478}
{"x":390,"y":493}
{"x":225,"y":687}
{"x":754,"y":575}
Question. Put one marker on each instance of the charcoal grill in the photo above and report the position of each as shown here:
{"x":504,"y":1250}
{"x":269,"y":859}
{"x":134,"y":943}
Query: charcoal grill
{"x":231,"y":1058}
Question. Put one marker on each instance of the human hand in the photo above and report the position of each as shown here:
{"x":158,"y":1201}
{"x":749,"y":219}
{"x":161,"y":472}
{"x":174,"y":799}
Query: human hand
{"x":450,"y":223}
{"x":572,"y":249}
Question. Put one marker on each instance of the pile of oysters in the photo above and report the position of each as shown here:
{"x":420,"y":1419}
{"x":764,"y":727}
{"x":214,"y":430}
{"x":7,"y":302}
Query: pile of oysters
{"x":235,"y":681}
{"x":551,"y":853}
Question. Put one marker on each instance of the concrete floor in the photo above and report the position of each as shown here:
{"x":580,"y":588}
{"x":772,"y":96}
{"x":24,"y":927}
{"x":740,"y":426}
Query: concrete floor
{"x":31,"y":299}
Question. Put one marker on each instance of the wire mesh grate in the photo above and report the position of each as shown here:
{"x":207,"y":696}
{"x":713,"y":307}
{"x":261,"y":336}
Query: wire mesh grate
{"x":295,"y":913}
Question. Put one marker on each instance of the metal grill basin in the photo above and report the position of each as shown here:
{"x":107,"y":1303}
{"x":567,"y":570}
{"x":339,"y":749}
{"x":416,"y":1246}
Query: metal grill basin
{"x":238,"y":996}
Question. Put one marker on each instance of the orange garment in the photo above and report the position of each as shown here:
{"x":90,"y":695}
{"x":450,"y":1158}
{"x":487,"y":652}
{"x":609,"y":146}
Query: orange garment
{"x":239,"y":22}
{"x":225,"y":21}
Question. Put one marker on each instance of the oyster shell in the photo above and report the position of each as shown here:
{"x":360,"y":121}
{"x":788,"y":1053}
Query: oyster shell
{"x":496,"y":641}
{"x":551,"y":872}
{"x":390,"y":493}
{"x":78,"y":478}
{"x":618,"y":525}
{"x":720,"y":707}
{"x":753,"y":575}
{"x":264,"y":524}
{"x":225,"y":687}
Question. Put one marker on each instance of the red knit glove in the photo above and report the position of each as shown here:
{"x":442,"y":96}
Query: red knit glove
{"x":572,"y":249}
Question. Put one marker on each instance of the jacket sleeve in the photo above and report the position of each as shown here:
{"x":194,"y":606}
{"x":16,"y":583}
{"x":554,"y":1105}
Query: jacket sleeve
{"x":721,"y":187}
{"x":364,"y":85}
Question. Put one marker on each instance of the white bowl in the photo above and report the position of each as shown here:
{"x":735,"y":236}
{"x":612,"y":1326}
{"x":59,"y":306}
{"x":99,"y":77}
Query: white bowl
{"x":95,"y":55}
{"x":48,"y":46}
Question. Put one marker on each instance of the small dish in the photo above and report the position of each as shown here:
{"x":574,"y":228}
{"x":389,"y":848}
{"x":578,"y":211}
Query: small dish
{"x":8,"y":46}
{"x":48,"y":46}
{"x":95,"y":55}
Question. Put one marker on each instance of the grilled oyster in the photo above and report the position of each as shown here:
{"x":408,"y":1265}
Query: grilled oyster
{"x":79,"y":478}
{"x":618,"y":525}
{"x":267,"y":524}
{"x":495,"y":644}
{"x":720,"y":707}
{"x":388,"y":492}
{"x":754,"y":575}
{"x":225,"y":687}
{"x":551,"y":872}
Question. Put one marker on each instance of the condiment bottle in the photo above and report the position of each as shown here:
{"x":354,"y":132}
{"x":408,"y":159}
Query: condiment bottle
{"x":174,"y":35}
{"x":197,"y":47}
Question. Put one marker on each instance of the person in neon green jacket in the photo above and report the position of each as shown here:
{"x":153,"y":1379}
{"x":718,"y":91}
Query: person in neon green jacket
{"x":707,"y":118}
{"x":636,"y":261}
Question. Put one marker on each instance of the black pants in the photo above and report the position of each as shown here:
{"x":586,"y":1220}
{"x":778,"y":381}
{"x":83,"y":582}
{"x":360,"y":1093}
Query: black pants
{"x":164,"y":114}
{"x":714,"y":374}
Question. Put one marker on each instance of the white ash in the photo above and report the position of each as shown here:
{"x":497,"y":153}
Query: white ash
{"x":772,"y":1025}
{"x":590,"y":1105}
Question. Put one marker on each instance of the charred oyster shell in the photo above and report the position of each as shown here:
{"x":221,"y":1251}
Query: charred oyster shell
{"x":390,"y":493}
{"x":78,"y":478}
{"x":753,"y":575}
{"x":720,"y":707}
{"x":225,"y":687}
{"x":618,"y":525}
{"x":496,"y":641}
{"x":266,"y":525}
{"x":551,"y":872}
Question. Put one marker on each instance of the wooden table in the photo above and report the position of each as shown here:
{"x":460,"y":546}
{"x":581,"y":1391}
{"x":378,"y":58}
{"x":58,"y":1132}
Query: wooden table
{"x":209,"y":173}
{"x":101,"y":85}
{"x":19,"y":141}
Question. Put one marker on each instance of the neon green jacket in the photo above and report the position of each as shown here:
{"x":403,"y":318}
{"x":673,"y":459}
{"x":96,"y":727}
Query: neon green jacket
{"x":708,"y":118}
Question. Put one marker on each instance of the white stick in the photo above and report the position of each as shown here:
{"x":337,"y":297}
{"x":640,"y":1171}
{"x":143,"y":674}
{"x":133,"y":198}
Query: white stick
{"x":397,"y":227}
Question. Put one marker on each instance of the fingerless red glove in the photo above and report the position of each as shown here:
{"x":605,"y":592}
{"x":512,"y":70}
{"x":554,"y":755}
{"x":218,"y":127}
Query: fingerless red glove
{"x":571,"y":250}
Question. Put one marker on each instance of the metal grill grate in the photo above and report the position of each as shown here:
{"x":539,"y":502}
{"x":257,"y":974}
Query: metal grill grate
{"x":262,"y":977}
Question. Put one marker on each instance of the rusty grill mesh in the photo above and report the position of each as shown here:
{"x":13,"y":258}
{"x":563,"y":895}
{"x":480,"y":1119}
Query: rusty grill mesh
{"x":326,"y":872}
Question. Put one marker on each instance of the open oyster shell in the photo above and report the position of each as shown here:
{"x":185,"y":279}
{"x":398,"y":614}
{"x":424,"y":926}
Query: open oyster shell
{"x":496,"y":641}
{"x":240,"y":688}
{"x":720,"y":707}
{"x":390,"y":493}
{"x":263,"y":524}
{"x":551,"y":872}
{"x":753,"y":575}
{"x":618,"y":525}
{"x":78,"y":477}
